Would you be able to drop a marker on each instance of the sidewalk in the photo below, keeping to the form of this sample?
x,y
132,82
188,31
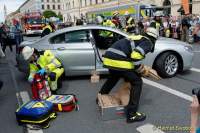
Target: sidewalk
x,y
8,101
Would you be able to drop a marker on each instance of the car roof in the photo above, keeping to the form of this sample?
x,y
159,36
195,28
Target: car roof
x,y
87,27
90,27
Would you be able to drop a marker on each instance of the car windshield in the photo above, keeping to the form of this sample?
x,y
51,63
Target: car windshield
x,y
34,21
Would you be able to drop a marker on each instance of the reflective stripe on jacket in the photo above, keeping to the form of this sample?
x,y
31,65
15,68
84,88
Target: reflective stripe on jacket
x,y
130,22
127,54
48,27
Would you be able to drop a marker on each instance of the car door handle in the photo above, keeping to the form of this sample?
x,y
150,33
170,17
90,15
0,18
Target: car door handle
x,y
61,48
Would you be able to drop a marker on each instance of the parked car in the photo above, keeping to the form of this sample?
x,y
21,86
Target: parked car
x,y
80,50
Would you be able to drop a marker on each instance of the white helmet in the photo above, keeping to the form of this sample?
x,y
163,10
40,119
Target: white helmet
x,y
27,52
126,13
152,32
99,19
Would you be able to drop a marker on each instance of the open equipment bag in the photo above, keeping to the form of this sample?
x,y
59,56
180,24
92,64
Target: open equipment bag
x,y
36,112
64,102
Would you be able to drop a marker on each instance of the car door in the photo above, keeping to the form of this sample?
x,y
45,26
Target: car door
x,y
102,43
75,52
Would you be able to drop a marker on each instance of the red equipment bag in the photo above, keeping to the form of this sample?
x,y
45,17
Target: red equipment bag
x,y
64,103
40,87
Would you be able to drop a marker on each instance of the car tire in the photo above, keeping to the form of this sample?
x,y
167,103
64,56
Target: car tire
x,y
167,65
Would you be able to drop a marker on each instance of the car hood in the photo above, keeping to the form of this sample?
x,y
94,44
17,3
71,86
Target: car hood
x,y
164,40
29,42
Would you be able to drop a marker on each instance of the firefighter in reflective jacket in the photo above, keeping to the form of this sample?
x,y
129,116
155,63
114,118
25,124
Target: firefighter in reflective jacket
x,y
41,63
157,23
124,60
48,29
130,23
109,23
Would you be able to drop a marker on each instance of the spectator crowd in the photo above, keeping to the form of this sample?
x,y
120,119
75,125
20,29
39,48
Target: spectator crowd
x,y
183,27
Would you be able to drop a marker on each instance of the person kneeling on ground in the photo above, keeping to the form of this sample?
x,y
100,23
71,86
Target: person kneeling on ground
x,y
41,63
124,60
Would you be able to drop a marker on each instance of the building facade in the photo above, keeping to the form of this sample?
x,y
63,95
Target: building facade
x,y
74,9
176,5
42,5
31,6
54,5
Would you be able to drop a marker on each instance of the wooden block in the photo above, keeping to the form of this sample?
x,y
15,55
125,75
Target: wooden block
x,y
95,78
123,93
108,101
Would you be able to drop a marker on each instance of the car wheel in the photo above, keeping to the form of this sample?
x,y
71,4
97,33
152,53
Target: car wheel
x,y
167,65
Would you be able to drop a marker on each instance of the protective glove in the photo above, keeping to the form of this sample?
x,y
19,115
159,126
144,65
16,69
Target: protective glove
x,y
30,79
41,71
143,71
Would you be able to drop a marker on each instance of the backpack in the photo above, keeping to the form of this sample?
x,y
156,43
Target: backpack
x,y
36,112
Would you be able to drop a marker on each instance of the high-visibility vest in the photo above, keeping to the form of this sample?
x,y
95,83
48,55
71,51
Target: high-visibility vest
x,y
129,22
115,58
104,33
158,26
48,27
46,60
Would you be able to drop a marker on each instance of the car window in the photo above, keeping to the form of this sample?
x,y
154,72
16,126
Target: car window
x,y
105,38
71,37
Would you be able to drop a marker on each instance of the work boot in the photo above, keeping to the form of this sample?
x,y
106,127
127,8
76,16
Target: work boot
x,y
135,117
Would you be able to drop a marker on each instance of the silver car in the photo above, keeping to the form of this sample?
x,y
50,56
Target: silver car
x,y
80,50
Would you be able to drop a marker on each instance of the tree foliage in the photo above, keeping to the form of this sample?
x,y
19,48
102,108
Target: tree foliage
x,y
49,13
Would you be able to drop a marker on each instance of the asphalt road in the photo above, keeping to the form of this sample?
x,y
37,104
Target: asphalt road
x,y
163,109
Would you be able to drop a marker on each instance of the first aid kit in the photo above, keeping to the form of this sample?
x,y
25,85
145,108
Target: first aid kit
x,y
36,112
64,102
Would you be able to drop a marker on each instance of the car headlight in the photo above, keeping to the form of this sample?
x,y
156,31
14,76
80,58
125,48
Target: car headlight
x,y
188,48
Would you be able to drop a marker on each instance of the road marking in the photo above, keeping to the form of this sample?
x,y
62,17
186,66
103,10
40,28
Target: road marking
x,y
148,128
25,96
167,89
195,69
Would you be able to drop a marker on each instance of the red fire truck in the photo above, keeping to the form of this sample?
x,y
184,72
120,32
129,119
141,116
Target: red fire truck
x,y
32,23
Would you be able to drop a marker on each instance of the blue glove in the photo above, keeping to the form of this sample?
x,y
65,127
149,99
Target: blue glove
x,y
41,71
